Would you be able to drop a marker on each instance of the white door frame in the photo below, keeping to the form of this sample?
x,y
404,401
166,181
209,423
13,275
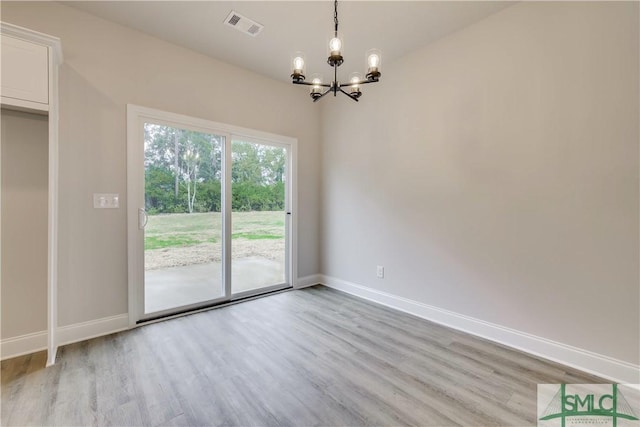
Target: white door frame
x,y
136,117
54,50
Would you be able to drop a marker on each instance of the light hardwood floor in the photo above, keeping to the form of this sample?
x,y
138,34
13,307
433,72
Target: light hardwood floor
x,y
308,357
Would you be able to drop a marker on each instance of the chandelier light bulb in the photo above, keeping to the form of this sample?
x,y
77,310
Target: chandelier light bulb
x,y
374,60
335,45
316,84
354,90
355,79
297,67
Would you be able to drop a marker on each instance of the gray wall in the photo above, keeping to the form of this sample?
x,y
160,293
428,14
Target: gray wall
x,y
494,173
107,66
24,189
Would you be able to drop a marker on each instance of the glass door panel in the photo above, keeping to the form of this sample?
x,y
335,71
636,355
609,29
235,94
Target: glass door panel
x,y
259,248
183,204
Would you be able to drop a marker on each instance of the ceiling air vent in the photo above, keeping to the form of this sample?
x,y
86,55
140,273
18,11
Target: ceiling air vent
x,y
244,24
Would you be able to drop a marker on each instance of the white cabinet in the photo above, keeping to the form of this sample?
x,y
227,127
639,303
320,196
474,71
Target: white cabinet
x,y
25,72
27,62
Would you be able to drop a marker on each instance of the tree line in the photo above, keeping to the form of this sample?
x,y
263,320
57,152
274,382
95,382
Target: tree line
x,y
183,173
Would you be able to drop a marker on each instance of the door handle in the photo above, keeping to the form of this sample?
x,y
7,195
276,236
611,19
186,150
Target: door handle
x,y
142,219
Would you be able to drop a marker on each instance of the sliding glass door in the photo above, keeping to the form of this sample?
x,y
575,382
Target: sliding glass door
x,y
259,220
210,216
183,213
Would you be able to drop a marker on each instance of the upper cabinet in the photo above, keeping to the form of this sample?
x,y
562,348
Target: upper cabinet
x,y
28,59
25,71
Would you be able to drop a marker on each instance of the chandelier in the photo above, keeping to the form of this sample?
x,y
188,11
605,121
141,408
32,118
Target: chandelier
x,y
352,89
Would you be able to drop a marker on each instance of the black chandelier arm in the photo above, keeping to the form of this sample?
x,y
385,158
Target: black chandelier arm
x,y
323,94
363,82
305,83
348,94
310,84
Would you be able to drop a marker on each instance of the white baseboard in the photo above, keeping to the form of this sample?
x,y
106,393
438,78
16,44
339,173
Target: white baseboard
x,y
303,282
23,344
30,343
584,360
92,329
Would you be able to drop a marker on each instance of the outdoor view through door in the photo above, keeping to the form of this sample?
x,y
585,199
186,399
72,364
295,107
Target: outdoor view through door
x,y
183,202
184,181
258,244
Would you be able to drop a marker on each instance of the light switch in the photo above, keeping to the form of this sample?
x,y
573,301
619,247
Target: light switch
x,y
106,201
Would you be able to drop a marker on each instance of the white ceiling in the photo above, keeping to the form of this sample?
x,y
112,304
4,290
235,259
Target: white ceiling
x,y
395,27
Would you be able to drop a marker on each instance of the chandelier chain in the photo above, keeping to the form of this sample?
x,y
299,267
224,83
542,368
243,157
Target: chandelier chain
x,y
335,16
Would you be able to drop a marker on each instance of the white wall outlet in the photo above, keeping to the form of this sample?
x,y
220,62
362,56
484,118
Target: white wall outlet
x,y
106,201
380,272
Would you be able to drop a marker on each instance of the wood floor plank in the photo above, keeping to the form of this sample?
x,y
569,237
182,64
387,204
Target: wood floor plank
x,y
314,357
27,385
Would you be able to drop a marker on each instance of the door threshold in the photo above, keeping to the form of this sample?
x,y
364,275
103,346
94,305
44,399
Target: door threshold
x,y
211,306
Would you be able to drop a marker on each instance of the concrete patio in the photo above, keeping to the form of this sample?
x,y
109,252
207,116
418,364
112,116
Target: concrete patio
x,y
179,286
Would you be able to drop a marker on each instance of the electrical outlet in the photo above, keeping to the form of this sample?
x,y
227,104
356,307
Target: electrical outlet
x,y
380,272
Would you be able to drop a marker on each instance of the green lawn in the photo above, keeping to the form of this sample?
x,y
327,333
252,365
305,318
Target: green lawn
x,y
184,230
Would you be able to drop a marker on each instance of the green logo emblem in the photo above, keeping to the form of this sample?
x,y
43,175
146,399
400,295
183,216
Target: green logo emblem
x,y
581,406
